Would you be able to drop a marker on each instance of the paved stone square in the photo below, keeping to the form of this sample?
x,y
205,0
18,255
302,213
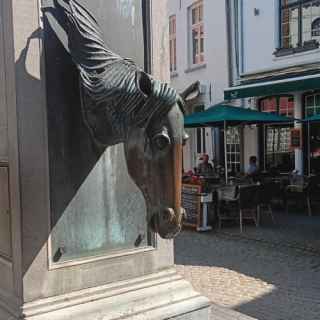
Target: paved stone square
x,y
258,273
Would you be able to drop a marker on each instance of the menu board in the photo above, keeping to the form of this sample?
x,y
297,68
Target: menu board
x,y
191,202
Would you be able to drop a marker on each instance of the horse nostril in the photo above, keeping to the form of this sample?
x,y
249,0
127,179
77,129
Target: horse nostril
x,y
168,214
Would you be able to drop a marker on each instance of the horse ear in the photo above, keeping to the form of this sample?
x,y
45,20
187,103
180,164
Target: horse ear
x,y
191,92
144,83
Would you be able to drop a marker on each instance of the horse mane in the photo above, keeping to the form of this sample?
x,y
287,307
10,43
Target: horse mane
x,y
110,81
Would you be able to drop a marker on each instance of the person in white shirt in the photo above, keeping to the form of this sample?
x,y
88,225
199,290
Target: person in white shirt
x,y
253,167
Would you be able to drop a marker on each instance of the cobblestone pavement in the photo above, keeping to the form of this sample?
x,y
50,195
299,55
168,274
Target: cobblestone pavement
x,y
292,230
267,280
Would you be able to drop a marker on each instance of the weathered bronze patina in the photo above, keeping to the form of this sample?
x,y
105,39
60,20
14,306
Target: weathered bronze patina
x,y
122,104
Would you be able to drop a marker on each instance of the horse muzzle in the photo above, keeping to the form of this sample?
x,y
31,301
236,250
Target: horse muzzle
x,y
167,223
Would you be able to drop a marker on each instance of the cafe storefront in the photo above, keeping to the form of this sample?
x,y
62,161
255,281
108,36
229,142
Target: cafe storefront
x,y
297,97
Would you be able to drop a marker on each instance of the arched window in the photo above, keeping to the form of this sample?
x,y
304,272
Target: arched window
x,y
315,28
300,22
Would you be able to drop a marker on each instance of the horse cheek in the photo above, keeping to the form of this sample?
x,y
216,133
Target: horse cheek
x,y
137,159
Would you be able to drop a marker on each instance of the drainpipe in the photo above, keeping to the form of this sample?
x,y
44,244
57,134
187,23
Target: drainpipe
x,y
241,39
230,47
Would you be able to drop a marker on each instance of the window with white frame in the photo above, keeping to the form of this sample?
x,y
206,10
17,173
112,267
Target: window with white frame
x,y
173,43
315,29
200,133
300,23
201,140
196,30
233,149
312,104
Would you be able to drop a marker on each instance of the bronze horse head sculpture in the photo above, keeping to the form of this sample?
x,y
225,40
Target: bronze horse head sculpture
x,y
122,104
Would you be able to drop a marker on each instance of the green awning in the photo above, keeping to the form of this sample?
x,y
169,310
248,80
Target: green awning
x,y
310,82
313,118
216,115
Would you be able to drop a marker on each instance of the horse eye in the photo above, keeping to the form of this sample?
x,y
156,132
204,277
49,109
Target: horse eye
x,y
161,140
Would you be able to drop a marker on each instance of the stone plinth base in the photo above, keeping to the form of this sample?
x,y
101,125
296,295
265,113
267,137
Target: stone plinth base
x,y
158,296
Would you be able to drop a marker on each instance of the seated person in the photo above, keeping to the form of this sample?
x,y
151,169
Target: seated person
x,y
204,168
253,169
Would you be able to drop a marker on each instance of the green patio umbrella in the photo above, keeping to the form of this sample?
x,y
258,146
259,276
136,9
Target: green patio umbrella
x,y
223,114
216,115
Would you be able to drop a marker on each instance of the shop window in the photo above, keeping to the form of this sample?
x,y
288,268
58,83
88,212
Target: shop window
x,y
299,21
278,153
315,148
269,105
312,107
233,149
312,104
278,140
283,105
173,43
286,106
196,30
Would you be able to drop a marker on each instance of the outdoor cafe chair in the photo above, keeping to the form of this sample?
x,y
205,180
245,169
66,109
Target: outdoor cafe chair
x,y
238,203
269,190
227,202
313,191
249,200
295,191
305,189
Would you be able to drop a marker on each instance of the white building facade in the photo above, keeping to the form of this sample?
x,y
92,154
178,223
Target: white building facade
x,y
198,52
275,66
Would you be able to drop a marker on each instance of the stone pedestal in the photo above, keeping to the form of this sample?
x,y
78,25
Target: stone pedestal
x,y
162,295
138,283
